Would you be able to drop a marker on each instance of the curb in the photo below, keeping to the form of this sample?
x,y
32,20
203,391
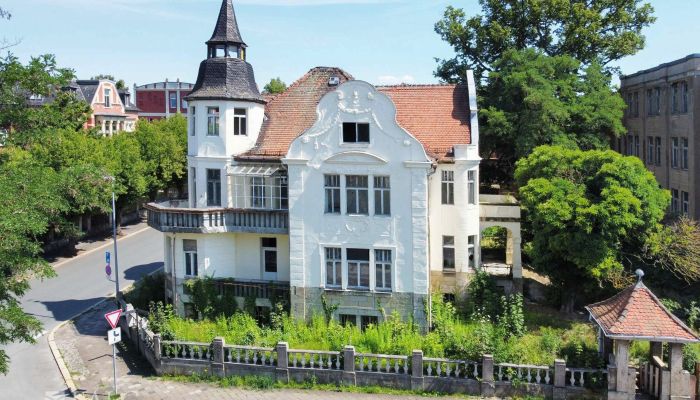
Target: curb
x,y
98,248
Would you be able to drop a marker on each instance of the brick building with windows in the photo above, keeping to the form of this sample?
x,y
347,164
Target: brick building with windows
x,y
661,124
162,99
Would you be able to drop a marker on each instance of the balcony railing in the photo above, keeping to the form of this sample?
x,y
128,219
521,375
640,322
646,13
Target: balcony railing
x,y
171,217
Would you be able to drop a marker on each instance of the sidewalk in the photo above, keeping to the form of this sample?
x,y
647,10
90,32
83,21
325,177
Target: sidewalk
x,y
83,346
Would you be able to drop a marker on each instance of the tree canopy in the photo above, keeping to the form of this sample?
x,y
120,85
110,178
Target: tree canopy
x,y
587,30
532,99
275,86
120,84
587,213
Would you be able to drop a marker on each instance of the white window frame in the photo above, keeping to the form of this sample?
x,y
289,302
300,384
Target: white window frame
x,y
448,187
213,199
471,251
360,264
358,192
172,100
332,190
190,259
258,192
471,187
454,253
240,122
193,189
382,195
193,121
108,97
384,265
213,121
333,260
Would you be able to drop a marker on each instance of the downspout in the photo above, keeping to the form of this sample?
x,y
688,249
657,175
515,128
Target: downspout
x,y
172,272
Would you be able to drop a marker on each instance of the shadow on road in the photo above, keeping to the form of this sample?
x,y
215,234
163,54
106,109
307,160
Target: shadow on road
x,y
136,272
65,309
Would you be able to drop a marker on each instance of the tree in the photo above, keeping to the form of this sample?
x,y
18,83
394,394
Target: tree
x,y
120,84
275,86
585,212
41,78
533,99
6,43
30,201
675,249
164,151
587,30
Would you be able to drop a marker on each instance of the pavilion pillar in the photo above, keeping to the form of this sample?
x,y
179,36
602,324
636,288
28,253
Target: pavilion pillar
x,y
656,349
624,380
680,380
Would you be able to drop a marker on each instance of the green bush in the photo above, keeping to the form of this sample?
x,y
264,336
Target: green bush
x,y
151,288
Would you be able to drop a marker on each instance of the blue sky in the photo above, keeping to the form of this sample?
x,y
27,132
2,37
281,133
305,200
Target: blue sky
x,y
380,41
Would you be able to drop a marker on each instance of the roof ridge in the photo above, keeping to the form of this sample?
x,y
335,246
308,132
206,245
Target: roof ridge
x,y
306,76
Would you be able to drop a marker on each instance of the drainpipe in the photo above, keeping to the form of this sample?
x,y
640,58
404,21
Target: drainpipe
x,y
172,272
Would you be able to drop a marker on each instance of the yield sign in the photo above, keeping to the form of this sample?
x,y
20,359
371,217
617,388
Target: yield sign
x,y
113,318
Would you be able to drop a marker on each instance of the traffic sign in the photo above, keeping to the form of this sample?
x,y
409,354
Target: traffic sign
x,y
108,270
107,257
113,318
114,336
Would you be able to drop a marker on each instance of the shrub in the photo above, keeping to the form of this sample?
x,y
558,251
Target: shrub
x,y
160,319
151,288
511,318
482,296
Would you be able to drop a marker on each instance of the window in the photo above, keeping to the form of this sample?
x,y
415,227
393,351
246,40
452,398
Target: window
x,y
658,150
471,187
108,97
213,121
448,187
213,187
382,263
173,100
675,201
674,98
334,267
471,249
193,121
636,146
355,132
190,249
635,107
357,194
674,152
653,103
684,153
684,97
332,186
347,319
630,145
685,205
650,150
257,193
382,195
193,172
358,268
240,127
448,252
269,248
367,321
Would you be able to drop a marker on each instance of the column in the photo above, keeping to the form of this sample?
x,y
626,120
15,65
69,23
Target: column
x,y
111,128
680,380
104,127
488,386
349,366
559,392
622,370
282,370
417,370
217,362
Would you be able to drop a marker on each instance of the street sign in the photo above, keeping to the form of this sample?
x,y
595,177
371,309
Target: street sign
x,y
113,318
108,270
108,257
114,336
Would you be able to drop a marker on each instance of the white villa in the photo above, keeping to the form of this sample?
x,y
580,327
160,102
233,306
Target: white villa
x,y
365,195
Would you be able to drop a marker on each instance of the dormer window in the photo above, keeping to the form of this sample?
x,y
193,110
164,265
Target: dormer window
x,y
354,132
108,97
240,127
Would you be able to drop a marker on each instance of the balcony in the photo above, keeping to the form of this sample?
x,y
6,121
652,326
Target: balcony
x,y
175,217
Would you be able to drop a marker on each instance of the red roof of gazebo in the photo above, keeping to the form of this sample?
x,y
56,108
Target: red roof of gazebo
x,y
637,314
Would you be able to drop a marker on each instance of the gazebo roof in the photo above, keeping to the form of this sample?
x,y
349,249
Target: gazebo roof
x,y
637,314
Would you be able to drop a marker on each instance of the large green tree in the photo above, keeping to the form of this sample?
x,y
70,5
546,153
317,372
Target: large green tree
x,y
586,213
30,202
532,99
587,30
275,86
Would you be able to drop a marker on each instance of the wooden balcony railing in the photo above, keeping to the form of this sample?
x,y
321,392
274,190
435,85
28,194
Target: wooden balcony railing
x,y
170,217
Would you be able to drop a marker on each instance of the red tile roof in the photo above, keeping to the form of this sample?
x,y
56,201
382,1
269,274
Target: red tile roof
x,y
437,115
635,313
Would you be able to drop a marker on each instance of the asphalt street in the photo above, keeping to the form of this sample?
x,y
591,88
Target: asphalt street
x,y
81,283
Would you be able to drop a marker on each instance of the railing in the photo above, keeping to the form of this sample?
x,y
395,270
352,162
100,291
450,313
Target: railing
x,y
186,350
523,373
250,355
170,217
440,367
259,290
585,377
365,362
315,359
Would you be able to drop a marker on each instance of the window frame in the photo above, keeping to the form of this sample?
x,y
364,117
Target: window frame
x,y
471,251
675,201
382,195
650,150
240,122
193,121
258,193
361,265
193,173
675,153
172,100
471,187
385,265
684,153
447,248
213,121
448,187
359,193
333,260
685,203
332,189
191,258
213,190
107,97
357,139
658,150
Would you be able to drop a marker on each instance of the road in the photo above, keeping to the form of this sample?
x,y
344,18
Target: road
x,y
81,282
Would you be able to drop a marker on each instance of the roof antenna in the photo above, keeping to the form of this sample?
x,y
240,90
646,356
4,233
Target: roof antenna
x,y
640,275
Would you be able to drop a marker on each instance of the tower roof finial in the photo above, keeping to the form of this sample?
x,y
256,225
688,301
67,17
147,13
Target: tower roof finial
x,y
640,275
226,29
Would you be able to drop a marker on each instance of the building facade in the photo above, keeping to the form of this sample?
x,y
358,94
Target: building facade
x,y
334,191
162,99
662,119
109,112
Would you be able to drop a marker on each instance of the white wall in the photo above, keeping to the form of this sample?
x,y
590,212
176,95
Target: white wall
x,y
391,152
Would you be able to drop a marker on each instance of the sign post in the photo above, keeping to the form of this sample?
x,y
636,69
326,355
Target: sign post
x,y
114,336
108,268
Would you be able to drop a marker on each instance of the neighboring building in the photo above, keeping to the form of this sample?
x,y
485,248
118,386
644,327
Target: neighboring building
x,y
662,127
162,99
365,195
109,112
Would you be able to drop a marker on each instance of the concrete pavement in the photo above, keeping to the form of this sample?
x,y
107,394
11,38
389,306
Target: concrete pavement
x,y
80,284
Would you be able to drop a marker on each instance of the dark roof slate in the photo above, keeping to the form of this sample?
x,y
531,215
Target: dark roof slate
x,y
226,29
226,79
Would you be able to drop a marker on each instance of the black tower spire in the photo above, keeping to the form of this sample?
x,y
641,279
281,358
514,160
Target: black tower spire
x,y
226,40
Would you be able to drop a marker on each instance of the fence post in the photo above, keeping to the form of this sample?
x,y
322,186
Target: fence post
x,y
417,370
156,347
697,378
217,362
488,386
559,390
349,366
282,370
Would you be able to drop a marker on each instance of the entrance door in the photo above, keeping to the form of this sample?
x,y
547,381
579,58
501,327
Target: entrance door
x,y
269,259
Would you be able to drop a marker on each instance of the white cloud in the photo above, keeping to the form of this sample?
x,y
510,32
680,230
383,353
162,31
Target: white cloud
x,y
395,80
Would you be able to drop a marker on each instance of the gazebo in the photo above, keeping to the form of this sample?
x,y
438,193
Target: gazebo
x,y
637,314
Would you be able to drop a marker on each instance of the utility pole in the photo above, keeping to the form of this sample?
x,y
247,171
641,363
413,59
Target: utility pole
x,y
114,234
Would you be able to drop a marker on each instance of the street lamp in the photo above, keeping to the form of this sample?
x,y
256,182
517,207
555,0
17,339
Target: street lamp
x,y
111,179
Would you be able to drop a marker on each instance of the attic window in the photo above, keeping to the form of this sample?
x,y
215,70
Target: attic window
x,y
333,81
355,132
